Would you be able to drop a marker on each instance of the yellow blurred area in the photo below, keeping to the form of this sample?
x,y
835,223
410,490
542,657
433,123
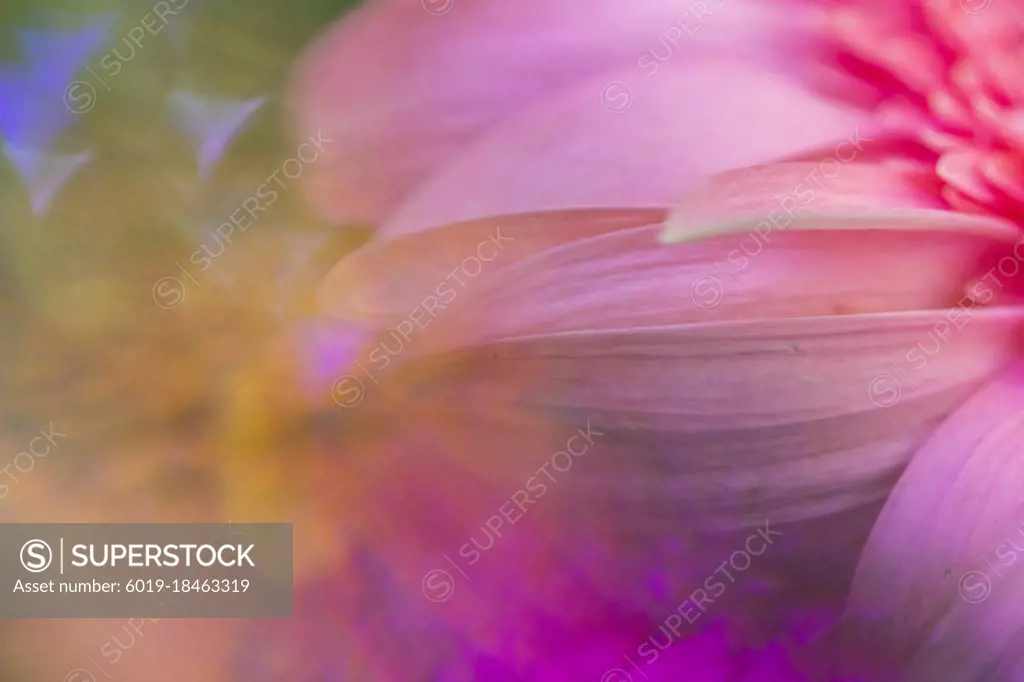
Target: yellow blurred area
x,y
248,458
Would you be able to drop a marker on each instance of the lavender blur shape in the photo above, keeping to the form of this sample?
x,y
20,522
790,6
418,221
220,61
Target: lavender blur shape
x,y
31,89
31,110
211,124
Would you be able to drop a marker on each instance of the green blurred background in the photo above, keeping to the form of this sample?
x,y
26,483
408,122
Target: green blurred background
x,y
81,336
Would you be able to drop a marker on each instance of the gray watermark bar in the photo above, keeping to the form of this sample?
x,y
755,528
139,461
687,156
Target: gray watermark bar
x,y
146,570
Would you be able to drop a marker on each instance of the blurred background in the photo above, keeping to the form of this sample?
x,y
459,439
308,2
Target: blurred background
x,y
178,403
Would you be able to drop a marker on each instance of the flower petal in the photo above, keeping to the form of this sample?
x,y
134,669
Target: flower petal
x,y
615,140
604,269
799,194
701,432
626,279
401,89
388,278
935,593
735,390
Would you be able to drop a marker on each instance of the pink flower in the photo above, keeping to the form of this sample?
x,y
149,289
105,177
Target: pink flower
x,y
822,326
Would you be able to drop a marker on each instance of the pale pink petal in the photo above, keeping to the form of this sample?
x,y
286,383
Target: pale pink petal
x,y
385,281
626,279
617,140
736,391
400,86
937,592
798,195
605,269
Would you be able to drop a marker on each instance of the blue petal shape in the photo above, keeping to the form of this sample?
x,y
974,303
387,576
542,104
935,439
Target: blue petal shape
x,y
43,173
211,124
33,91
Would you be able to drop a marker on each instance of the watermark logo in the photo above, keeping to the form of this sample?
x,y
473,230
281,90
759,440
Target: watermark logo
x,y
169,292
36,556
438,585
975,6
140,570
79,675
348,390
975,586
438,7
706,292
617,97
